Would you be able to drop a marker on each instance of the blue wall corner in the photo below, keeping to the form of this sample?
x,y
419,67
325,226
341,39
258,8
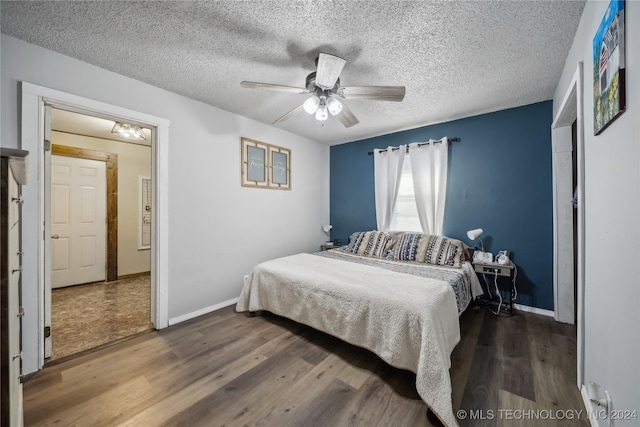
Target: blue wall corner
x,y
499,179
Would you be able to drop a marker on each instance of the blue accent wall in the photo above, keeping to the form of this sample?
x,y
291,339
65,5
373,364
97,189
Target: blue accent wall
x,y
499,179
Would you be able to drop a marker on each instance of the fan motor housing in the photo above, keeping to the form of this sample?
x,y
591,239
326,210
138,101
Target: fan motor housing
x,y
312,88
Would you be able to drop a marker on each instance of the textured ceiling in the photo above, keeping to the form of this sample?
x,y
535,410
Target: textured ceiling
x,y
456,58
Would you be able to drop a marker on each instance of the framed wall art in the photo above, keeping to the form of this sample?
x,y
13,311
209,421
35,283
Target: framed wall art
x,y
265,165
254,163
609,68
279,168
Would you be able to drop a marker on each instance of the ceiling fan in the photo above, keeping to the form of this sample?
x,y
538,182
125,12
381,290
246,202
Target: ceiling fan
x,y
324,85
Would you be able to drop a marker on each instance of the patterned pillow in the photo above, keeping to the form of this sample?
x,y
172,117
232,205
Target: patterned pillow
x,y
410,247
444,251
369,243
355,240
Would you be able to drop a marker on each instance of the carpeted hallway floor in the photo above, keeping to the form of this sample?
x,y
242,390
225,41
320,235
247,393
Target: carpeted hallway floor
x,y
87,316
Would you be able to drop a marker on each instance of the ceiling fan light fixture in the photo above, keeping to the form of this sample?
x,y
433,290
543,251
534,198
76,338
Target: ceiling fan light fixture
x,y
311,104
126,130
325,93
334,106
321,114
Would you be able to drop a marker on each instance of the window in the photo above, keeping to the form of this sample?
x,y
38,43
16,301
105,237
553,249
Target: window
x,y
405,213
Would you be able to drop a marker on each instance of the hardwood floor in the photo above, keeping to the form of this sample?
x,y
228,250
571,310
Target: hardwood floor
x,y
231,369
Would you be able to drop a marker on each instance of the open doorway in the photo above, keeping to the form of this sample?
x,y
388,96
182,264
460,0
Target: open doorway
x,y
568,213
36,233
100,233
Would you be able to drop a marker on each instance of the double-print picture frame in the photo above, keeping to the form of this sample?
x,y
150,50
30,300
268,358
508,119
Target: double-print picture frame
x,y
265,165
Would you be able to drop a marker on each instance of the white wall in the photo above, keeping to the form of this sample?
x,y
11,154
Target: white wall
x,y
218,230
612,220
133,161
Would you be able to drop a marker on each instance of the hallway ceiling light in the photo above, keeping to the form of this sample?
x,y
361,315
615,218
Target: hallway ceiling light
x,y
126,130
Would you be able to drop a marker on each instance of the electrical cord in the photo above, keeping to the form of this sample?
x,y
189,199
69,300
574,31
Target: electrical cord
x,y
495,283
498,293
503,257
515,288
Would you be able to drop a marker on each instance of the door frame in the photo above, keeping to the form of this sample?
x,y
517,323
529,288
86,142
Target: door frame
x,y
36,241
111,163
570,110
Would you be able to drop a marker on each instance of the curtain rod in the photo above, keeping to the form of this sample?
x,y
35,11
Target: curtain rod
x,y
454,139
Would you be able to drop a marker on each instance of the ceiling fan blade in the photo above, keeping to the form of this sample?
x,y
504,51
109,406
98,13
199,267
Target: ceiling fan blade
x,y
290,114
346,117
329,69
379,93
277,88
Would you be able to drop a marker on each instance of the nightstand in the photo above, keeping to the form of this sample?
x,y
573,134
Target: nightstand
x,y
500,274
327,247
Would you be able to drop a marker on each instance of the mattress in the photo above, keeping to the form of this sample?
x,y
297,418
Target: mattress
x,y
405,313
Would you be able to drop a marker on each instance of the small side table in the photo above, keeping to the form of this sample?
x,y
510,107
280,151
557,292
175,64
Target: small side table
x,y
327,247
498,271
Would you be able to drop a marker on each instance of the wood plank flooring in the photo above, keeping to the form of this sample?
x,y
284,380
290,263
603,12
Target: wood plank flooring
x,y
231,369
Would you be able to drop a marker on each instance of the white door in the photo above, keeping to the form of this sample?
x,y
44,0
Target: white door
x,y
78,221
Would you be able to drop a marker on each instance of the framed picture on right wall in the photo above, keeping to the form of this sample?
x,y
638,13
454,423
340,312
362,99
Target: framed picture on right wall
x,y
608,68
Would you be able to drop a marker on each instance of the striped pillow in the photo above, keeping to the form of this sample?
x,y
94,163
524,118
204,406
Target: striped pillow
x,y
355,240
369,243
438,250
444,251
410,247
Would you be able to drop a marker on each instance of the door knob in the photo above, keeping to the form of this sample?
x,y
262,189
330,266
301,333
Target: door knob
x,y
55,236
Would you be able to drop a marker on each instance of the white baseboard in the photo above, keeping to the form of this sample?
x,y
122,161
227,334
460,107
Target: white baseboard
x,y
534,310
202,311
588,406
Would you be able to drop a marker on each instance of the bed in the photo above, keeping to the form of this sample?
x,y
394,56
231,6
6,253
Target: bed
x,y
396,294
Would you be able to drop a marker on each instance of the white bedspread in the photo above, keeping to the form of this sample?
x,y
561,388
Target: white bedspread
x,y
410,322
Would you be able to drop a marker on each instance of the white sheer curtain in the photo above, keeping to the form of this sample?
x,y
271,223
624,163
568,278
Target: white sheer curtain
x,y
387,166
429,171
